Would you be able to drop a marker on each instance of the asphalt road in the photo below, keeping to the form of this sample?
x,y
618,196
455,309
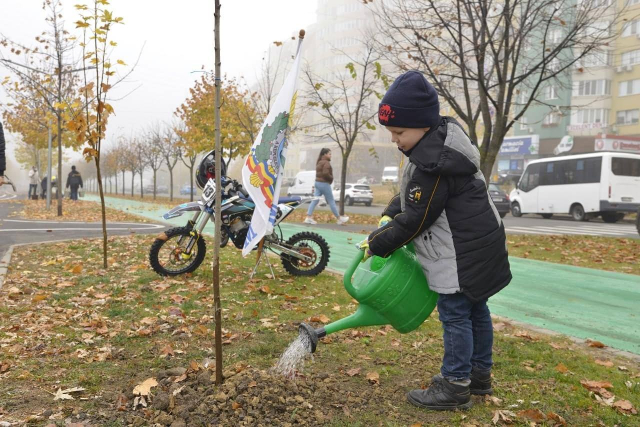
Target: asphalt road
x,y
526,224
18,231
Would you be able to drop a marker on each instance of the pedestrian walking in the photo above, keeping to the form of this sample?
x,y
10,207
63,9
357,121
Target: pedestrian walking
x,y
74,180
459,238
43,187
34,180
322,187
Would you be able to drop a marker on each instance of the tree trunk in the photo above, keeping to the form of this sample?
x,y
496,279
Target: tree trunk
x,y
133,177
123,182
115,176
141,188
59,161
343,180
171,184
155,172
191,177
217,306
104,215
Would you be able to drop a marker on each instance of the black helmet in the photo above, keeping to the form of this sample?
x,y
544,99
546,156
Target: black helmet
x,y
207,169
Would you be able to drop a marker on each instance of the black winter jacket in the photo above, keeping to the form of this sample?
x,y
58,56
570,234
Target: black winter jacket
x,y
445,209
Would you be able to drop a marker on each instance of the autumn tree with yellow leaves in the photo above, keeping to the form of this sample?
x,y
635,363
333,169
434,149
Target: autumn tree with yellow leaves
x,y
89,124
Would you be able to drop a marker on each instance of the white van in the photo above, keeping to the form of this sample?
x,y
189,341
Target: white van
x,y
390,174
585,186
303,184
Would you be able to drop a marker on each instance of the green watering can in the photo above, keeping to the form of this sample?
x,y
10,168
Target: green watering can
x,y
390,291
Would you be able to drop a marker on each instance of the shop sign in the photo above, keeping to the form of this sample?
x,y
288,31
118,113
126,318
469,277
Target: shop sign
x,y
617,144
520,145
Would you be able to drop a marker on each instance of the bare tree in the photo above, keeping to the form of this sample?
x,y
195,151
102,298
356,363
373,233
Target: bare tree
x,y
48,70
481,54
170,153
129,160
153,155
344,104
140,156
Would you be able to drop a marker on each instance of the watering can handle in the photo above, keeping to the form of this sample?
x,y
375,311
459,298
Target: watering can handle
x,y
349,273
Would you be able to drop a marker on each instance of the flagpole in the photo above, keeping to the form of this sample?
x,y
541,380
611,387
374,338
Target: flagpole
x,y
217,220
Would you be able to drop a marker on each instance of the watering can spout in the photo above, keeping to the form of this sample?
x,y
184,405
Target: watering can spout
x,y
313,335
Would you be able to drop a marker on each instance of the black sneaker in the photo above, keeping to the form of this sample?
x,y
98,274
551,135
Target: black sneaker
x,y
441,396
480,382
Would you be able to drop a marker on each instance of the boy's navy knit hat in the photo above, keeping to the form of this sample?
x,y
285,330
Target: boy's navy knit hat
x,y
410,102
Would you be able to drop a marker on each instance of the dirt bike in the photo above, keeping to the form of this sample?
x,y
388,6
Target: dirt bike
x,y
181,250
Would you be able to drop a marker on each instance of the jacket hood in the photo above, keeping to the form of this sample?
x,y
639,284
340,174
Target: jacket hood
x,y
446,150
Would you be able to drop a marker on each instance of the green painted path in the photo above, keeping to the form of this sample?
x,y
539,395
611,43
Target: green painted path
x,y
575,301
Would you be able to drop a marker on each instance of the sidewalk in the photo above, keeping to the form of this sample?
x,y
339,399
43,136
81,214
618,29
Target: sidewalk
x,y
579,302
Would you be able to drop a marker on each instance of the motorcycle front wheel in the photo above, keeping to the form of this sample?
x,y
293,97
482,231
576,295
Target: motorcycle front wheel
x,y
168,256
312,245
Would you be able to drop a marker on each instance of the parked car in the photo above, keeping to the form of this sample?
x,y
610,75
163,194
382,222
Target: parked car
x,y
354,193
303,184
162,189
390,174
185,190
500,199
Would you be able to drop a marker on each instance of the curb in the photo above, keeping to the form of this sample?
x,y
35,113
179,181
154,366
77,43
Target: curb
x,y
4,264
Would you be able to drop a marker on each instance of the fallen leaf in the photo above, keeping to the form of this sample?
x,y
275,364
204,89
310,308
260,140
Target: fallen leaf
x,y
265,289
236,405
492,399
502,415
625,407
322,318
535,415
66,394
353,372
144,388
373,378
596,385
606,363
523,334
77,269
38,298
499,326
596,344
622,368
561,368
558,420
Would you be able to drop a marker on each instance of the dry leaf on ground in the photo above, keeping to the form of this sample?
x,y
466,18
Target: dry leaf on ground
x,y
561,368
557,419
606,363
625,407
595,344
535,415
596,385
373,378
353,372
66,394
144,388
502,416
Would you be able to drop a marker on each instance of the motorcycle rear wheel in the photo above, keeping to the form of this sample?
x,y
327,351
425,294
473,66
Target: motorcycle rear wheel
x,y
312,245
165,255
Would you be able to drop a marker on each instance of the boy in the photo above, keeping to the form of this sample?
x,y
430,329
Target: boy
x,y
459,238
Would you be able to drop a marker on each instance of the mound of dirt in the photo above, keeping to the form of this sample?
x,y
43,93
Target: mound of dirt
x,y
248,396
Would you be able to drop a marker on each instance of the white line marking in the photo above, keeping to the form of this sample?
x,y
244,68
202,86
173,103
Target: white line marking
x,y
576,230
74,222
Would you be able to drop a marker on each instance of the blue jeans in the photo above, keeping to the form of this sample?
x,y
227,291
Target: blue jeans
x,y
468,336
34,188
323,189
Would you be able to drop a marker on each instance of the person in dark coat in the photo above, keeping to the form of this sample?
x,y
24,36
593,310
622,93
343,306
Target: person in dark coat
x,y
459,238
3,158
74,180
322,187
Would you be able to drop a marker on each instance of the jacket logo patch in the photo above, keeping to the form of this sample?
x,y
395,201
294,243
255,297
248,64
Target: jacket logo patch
x,y
415,194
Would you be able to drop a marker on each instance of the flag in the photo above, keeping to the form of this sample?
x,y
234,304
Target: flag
x,y
263,170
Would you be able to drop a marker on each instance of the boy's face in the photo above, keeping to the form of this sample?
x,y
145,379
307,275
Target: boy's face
x,y
406,138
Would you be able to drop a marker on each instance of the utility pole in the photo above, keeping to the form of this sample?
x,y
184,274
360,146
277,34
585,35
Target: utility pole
x,y
216,245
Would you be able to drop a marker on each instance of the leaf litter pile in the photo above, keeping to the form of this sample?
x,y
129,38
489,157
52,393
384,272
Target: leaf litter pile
x,y
123,346
78,210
